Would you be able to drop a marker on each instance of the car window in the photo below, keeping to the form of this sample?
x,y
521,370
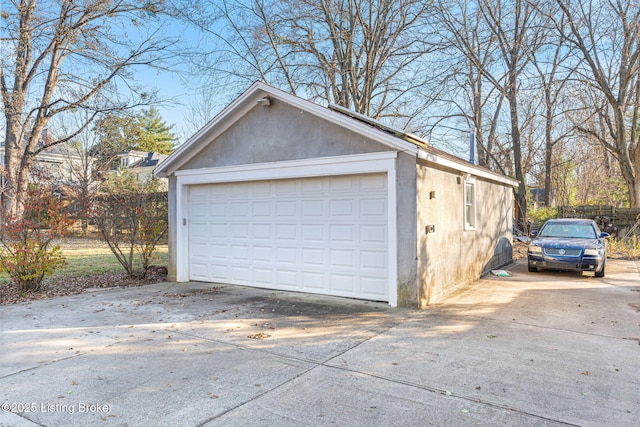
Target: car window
x,y
581,231
585,232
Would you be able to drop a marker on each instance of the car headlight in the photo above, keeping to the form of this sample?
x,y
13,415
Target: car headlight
x,y
591,252
535,249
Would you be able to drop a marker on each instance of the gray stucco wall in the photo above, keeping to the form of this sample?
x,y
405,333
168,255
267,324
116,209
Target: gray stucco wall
x,y
406,217
281,132
173,224
451,257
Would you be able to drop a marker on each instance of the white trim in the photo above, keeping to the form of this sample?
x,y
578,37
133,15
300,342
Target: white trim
x,y
380,162
434,158
469,225
323,166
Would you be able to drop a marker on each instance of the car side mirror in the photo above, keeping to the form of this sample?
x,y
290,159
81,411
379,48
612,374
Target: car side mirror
x,y
534,233
604,235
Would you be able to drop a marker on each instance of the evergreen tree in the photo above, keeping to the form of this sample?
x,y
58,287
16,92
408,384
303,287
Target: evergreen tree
x,y
155,133
117,134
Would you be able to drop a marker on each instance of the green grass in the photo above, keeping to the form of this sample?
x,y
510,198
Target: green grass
x,y
97,258
85,257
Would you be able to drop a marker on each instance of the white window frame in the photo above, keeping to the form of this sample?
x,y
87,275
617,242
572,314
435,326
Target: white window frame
x,y
469,204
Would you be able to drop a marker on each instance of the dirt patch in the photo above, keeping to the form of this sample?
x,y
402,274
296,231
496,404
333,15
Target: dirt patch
x,y
58,286
519,250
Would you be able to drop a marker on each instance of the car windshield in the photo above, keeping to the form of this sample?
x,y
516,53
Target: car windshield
x,y
580,231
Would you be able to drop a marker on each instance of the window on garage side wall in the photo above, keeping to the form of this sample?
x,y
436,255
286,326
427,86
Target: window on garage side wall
x,y
469,203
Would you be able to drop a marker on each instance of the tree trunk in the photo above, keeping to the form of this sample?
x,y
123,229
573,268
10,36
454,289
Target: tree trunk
x,y
12,167
548,154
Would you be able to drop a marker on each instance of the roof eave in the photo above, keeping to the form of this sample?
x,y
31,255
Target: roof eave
x,y
466,168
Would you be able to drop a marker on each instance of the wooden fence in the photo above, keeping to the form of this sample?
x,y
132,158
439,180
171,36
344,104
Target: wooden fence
x,y
624,218
85,224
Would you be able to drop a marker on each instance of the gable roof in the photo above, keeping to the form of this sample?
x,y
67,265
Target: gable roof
x,y
143,159
261,92
248,100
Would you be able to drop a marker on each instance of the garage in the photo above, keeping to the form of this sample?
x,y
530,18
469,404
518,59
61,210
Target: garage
x,y
281,193
325,235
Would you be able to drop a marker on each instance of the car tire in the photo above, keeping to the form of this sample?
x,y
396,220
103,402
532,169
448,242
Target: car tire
x,y
600,273
532,269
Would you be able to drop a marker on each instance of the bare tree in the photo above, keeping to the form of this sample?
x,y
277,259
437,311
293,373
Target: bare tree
x,y
518,31
202,109
360,54
63,56
607,35
467,41
553,67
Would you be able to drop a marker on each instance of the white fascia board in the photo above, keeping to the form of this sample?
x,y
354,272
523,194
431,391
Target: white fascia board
x,y
317,166
434,158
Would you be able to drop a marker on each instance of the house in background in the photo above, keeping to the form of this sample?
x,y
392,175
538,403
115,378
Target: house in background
x,y
141,163
537,197
281,193
61,164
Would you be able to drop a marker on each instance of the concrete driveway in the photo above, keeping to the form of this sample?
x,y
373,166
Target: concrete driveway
x,y
533,349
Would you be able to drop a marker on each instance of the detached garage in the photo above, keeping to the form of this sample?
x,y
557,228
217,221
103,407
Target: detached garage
x,y
281,193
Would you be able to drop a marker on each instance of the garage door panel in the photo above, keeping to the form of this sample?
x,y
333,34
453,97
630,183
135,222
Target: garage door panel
x,y
286,187
200,271
217,273
313,187
199,232
217,210
376,260
217,231
373,233
341,258
261,188
286,208
341,208
373,208
287,256
342,284
264,276
262,232
374,184
240,190
287,279
313,232
261,209
324,235
313,281
342,184
240,253
313,208
373,287
342,233
313,257
240,231
263,254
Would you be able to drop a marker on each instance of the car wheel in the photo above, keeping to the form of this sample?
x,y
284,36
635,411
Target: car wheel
x,y
533,269
600,273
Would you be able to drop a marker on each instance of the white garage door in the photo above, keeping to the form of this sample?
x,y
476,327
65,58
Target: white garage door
x,y
324,235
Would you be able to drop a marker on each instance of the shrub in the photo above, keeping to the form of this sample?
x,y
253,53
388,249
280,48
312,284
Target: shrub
x,y
28,253
628,248
542,215
132,219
